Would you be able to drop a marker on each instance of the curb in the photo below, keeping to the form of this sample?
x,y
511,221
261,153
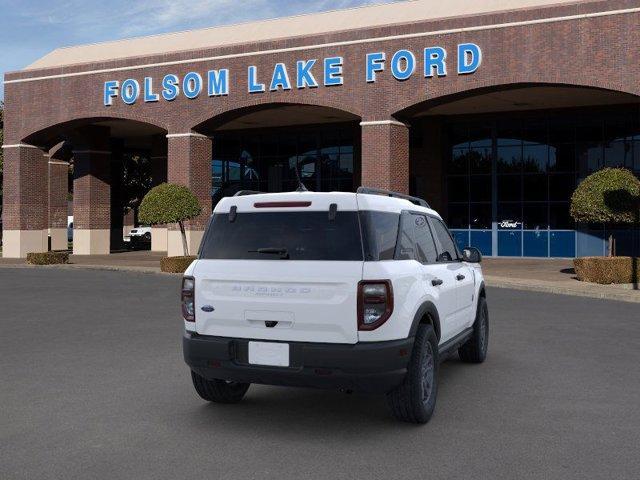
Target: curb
x,y
74,266
630,296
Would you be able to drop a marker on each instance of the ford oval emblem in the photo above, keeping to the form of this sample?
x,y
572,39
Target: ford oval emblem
x,y
207,308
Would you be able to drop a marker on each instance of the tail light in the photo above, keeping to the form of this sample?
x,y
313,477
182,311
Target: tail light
x,y
188,299
375,303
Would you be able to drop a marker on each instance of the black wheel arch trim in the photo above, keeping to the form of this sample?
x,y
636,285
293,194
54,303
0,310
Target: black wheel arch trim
x,y
482,292
427,308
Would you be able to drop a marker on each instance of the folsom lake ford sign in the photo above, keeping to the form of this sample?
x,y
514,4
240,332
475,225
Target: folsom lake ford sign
x,y
310,73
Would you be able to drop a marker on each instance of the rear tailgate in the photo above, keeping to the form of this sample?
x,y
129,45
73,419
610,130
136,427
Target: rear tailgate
x,y
281,267
307,302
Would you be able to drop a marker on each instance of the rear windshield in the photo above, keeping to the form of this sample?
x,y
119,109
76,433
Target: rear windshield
x,y
284,236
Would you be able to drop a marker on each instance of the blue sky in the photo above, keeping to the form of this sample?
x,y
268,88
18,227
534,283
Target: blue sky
x,y
31,28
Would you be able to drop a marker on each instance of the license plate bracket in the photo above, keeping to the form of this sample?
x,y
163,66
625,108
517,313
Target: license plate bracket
x,y
271,354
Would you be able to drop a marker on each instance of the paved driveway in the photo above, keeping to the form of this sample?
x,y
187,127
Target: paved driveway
x,y
92,385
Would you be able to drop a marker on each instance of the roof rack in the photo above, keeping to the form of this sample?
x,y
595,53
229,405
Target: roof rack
x,y
389,193
242,193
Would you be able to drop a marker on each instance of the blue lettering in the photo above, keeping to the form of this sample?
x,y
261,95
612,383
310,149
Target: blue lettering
x,y
304,77
192,85
110,92
170,87
333,71
434,57
254,86
403,64
469,58
149,96
280,78
218,82
375,63
130,91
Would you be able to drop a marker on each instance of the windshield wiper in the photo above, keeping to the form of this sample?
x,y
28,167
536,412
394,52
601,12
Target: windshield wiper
x,y
283,252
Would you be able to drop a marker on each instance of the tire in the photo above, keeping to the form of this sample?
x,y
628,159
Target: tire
x,y
219,391
147,236
475,349
415,400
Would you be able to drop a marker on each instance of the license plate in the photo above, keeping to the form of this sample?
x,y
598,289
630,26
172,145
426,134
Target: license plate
x,y
269,353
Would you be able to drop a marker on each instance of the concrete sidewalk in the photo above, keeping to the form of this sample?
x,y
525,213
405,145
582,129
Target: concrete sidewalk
x,y
539,275
552,276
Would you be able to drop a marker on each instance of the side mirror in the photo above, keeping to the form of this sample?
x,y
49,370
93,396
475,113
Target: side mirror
x,y
471,255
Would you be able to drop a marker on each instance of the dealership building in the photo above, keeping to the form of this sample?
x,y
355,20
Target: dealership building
x,y
491,110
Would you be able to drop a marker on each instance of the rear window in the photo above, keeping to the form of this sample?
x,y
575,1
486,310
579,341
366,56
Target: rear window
x,y
283,235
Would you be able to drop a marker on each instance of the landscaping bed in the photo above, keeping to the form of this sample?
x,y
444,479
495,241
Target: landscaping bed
x,y
607,270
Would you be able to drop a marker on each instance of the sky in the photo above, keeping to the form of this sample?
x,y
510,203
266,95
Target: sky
x,y
30,29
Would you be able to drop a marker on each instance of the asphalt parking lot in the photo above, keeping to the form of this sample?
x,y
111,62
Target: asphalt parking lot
x,y
93,386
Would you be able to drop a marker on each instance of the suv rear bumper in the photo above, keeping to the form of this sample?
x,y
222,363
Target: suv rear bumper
x,y
363,367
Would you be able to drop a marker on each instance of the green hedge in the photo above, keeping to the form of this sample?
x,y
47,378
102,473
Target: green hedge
x,y
48,258
175,264
607,270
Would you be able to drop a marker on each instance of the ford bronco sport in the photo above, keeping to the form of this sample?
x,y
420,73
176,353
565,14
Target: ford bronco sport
x,y
358,291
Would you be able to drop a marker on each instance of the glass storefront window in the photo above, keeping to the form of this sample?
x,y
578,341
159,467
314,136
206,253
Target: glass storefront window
x,y
535,187
509,188
458,188
480,217
266,160
510,159
535,158
480,188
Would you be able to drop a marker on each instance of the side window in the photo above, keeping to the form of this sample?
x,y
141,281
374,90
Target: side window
x,y
405,249
448,251
379,232
425,245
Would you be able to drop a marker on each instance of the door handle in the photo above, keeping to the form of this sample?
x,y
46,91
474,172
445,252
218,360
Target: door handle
x,y
436,282
460,277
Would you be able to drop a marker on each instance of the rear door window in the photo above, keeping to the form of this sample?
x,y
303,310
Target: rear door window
x,y
283,236
425,246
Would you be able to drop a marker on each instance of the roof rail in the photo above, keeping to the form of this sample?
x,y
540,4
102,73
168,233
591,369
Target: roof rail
x,y
242,193
389,193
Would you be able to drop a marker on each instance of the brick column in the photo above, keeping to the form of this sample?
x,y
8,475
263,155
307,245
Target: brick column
x,y
385,155
159,175
58,190
24,201
92,192
189,164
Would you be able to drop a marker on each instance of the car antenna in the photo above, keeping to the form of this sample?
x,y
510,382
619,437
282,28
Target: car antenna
x,y
301,187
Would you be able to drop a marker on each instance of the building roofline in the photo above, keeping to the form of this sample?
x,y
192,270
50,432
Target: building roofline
x,y
296,26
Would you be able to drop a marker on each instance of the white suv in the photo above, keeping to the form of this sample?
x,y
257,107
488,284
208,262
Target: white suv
x,y
358,291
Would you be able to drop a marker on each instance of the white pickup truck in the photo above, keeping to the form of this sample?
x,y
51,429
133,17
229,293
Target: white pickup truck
x,y
358,291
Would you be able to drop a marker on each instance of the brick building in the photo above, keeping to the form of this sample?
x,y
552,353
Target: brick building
x,y
492,111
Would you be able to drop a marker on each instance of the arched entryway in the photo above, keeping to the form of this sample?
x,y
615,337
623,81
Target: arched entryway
x,y
103,165
268,147
501,164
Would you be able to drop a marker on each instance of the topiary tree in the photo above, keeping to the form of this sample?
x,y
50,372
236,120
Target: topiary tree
x,y
610,195
169,203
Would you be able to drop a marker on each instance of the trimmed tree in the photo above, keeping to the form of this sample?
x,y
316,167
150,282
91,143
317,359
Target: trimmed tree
x,y
609,196
170,203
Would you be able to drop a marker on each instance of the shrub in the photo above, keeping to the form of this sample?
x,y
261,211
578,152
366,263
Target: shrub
x,y
175,264
47,258
169,203
607,270
610,195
